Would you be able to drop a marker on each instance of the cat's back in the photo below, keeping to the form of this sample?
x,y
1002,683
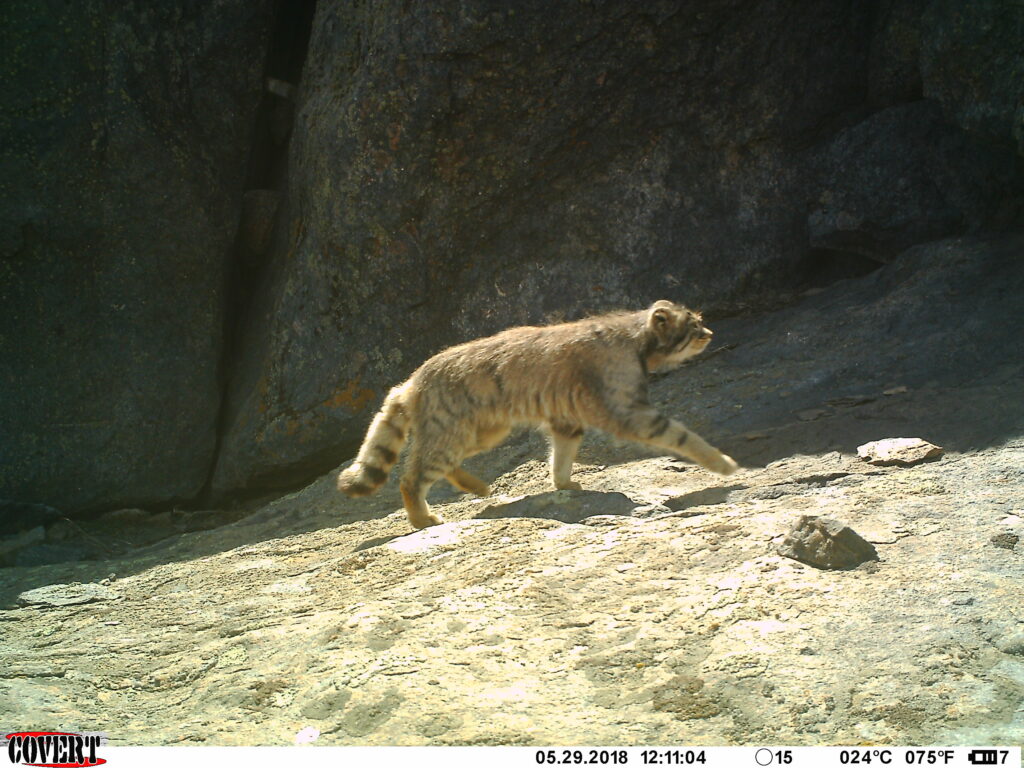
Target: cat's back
x,y
538,349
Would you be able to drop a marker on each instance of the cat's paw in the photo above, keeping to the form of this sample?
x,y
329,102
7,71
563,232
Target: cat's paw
x,y
425,521
722,464
570,485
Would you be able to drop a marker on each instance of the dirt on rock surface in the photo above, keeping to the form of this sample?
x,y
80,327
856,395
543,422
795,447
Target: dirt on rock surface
x,y
650,608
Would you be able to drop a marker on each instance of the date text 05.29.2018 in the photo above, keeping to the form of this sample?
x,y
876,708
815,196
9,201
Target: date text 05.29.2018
x,y
581,757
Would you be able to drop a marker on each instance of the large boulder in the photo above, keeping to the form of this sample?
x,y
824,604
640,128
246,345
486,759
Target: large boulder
x,y
459,167
972,62
904,176
126,134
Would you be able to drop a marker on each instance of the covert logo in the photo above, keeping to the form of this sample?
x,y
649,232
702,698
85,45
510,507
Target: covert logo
x,y
52,749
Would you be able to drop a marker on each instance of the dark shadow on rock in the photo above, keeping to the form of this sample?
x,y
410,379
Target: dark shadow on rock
x,y
959,418
282,518
378,541
564,506
925,347
702,498
23,516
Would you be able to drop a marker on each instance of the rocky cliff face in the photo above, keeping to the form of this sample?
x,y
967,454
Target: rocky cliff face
x,y
126,135
461,167
454,168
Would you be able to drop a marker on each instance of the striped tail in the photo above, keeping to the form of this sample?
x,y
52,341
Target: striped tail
x,y
384,440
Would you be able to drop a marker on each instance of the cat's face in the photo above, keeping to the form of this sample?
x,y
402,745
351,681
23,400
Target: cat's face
x,y
677,334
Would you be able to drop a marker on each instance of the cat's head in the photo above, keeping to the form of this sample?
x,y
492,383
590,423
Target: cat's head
x,y
673,334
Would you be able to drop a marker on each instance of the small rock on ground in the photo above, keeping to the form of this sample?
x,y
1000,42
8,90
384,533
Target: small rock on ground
x,y
1005,540
826,543
905,451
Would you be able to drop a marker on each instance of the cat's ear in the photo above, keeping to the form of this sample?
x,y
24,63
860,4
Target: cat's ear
x,y
661,319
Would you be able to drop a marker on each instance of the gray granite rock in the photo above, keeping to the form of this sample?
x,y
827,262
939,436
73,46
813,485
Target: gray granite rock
x,y
826,543
457,168
904,451
126,133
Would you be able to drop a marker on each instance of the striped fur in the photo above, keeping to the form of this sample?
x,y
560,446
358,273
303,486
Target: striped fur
x,y
383,443
563,378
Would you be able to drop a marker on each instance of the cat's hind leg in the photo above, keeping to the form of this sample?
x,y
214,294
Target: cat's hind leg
x,y
465,481
432,455
485,437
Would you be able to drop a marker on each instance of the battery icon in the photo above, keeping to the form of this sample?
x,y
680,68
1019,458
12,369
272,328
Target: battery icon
x,y
983,757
